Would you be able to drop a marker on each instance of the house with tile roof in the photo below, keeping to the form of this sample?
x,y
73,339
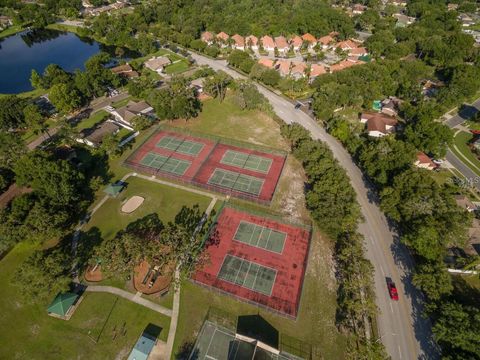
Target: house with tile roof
x,y
326,41
269,63
424,162
267,43
298,70
281,44
207,37
238,42
222,39
310,39
251,41
284,67
317,70
296,41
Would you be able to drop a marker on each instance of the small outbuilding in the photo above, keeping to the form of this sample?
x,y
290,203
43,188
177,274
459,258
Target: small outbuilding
x,y
114,189
64,305
143,347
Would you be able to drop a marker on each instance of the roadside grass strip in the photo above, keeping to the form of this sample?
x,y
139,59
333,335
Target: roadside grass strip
x,y
247,274
260,236
246,161
236,181
164,163
179,145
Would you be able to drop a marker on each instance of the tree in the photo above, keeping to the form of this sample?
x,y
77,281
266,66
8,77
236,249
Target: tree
x,y
217,84
12,148
65,97
433,279
141,122
44,274
248,97
34,119
270,77
11,112
111,145
36,80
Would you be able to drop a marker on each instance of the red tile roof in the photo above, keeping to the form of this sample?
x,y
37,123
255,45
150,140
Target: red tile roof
x,y
267,42
284,67
296,41
239,40
347,45
299,68
358,51
422,158
317,69
251,39
207,36
325,40
281,42
310,38
266,62
223,36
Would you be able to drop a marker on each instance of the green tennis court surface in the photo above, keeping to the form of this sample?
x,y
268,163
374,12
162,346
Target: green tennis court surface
x,y
236,181
247,274
180,145
217,343
260,236
246,161
165,163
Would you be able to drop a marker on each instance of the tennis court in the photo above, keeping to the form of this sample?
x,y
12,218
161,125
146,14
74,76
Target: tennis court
x,y
260,236
247,274
180,145
217,343
236,181
246,161
165,163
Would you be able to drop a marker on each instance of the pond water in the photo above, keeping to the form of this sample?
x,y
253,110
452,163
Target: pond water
x,y
36,49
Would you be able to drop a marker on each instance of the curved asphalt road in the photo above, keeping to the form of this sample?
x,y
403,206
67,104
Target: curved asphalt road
x,y
405,334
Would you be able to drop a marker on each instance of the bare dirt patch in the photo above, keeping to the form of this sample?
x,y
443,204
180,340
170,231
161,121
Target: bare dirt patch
x,y
132,204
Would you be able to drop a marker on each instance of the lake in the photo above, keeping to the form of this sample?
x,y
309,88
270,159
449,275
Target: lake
x,y
36,49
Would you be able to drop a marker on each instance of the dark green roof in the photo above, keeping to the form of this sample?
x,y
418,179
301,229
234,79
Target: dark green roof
x,y
62,303
114,189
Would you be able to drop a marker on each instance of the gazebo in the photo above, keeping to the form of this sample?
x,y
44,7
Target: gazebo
x,y
63,305
114,189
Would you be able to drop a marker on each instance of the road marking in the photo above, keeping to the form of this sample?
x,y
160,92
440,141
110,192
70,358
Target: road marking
x,y
399,352
391,307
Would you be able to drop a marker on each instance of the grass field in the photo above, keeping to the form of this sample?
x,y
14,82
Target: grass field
x,y
228,120
315,323
11,31
92,120
31,334
166,201
461,149
177,67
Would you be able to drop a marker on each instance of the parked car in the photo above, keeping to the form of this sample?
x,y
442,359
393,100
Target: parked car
x,y
392,289
438,161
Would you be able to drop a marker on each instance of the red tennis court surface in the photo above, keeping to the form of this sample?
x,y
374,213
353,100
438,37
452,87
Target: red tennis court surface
x,y
243,172
287,262
150,146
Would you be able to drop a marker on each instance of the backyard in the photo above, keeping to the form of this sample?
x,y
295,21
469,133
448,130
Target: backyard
x,y
32,334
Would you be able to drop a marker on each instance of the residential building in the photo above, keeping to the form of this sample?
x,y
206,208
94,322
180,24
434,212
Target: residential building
x,y
326,41
5,22
125,114
298,70
317,70
403,20
208,37
346,45
197,84
310,39
222,38
452,6
267,43
125,70
358,9
390,106
238,42
251,41
284,67
378,125
359,51
157,64
466,20
424,162
282,45
465,203
296,42
269,63
94,136
345,64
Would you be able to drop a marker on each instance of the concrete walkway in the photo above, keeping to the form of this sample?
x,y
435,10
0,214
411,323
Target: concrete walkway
x,y
132,297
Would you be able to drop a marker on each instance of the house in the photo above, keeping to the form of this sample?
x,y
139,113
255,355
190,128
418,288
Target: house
x,y
125,114
281,44
94,136
473,244
346,45
238,42
298,70
223,39
207,37
452,6
358,9
157,64
424,162
310,39
399,3
252,42
378,125
269,63
466,20
64,305
143,347
284,67
267,43
390,106
197,84
317,70
465,203
125,70
359,51
5,22
296,42
326,41
403,20
345,64
431,87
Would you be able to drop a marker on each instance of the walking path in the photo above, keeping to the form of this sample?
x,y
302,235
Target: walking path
x,y
132,297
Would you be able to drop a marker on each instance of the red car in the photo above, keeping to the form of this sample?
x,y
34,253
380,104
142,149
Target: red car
x,y
392,290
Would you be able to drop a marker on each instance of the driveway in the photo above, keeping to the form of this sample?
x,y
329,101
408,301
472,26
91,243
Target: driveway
x,y
405,334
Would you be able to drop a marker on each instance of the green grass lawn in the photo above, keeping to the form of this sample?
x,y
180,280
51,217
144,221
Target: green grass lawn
x,y
94,119
315,323
177,67
11,30
228,120
31,334
463,151
119,104
166,201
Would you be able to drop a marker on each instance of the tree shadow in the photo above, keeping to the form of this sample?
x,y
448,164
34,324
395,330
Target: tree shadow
x,y
87,242
467,111
185,351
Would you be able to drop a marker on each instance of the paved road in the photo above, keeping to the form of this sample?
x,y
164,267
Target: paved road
x,y
132,297
404,332
466,113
